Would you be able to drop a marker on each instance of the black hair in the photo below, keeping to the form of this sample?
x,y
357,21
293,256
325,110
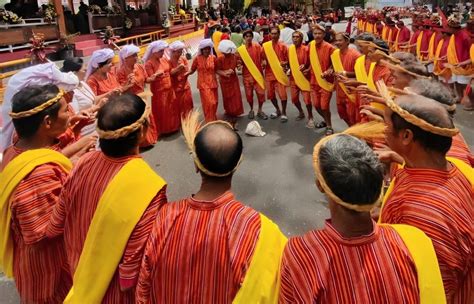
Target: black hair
x,y
29,98
433,89
383,46
351,169
246,32
101,64
365,37
118,112
219,152
73,64
276,28
428,140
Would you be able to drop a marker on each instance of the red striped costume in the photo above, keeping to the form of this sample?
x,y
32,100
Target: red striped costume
x,y
74,214
324,267
460,150
40,263
440,203
198,251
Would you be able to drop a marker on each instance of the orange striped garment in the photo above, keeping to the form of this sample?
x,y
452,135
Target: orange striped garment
x,y
198,251
73,215
324,267
460,150
440,203
40,263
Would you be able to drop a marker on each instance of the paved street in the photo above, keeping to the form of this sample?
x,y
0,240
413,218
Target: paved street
x,y
275,177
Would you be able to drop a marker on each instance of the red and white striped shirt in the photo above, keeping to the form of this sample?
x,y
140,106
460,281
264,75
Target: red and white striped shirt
x,y
40,264
440,203
198,252
460,150
74,213
324,267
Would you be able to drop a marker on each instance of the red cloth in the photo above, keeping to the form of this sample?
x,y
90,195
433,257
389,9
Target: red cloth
x,y
425,43
140,76
255,51
198,251
39,262
230,86
73,216
102,86
303,59
460,150
463,44
281,51
320,97
165,107
181,87
439,203
346,108
413,40
324,267
207,85
404,37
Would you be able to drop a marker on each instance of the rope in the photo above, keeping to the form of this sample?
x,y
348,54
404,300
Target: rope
x,y
403,70
125,131
39,108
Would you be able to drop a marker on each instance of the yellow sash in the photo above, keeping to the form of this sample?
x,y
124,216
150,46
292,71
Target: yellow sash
x,y
251,66
464,168
418,46
372,86
301,81
316,65
370,27
262,281
216,39
395,46
431,47
10,177
274,62
384,33
337,65
359,69
471,53
453,59
437,70
422,251
120,208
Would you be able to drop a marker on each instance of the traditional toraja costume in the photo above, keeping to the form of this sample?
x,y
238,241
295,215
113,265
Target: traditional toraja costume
x,y
207,80
41,74
346,103
299,56
320,59
275,76
30,184
101,85
252,72
403,265
458,51
440,204
230,86
164,105
180,83
223,242
138,87
105,248
440,60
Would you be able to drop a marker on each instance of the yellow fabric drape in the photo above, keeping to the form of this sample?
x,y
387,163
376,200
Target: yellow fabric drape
x,y
316,65
251,66
437,70
359,69
301,81
10,177
216,39
372,86
384,33
338,67
119,209
418,46
262,280
464,168
395,45
453,59
431,47
274,62
471,53
422,251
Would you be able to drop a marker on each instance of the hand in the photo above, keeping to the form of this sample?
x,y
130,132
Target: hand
x,y
84,145
302,67
371,115
386,155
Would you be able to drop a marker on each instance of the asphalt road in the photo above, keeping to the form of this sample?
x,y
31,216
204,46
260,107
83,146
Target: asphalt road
x,y
275,177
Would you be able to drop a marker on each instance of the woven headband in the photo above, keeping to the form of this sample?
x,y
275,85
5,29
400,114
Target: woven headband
x,y
403,70
39,108
125,131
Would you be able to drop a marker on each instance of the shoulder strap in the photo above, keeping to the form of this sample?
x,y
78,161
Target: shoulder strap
x,y
262,280
274,62
10,177
251,66
359,68
119,209
422,251
300,80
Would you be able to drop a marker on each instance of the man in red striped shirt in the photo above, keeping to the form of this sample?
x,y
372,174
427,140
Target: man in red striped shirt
x,y
430,192
352,260
89,180
201,247
39,263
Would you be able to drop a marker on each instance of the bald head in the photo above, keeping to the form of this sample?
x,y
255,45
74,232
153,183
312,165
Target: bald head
x,y
430,111
218,148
